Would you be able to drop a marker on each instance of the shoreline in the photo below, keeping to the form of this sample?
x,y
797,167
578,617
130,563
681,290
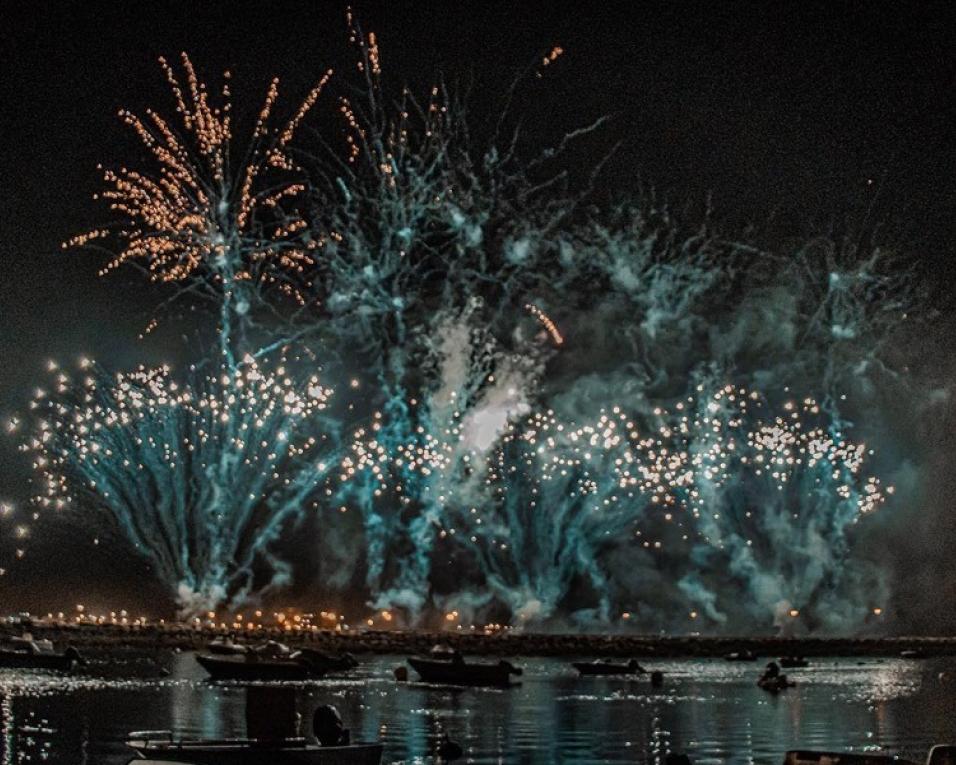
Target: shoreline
x,y
152,638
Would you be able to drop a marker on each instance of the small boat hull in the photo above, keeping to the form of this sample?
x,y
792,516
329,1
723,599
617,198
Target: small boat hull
x,y
806,757
442,672
225,648
604,669
793,662
323,662
250,667
246,752
741,656
60,662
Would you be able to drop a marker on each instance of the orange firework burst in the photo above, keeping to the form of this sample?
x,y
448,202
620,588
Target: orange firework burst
x,y
196,214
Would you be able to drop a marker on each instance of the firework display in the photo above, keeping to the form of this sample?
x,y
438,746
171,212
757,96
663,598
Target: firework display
x,y
200,477
562,410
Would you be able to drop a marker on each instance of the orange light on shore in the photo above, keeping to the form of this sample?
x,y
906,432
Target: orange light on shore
x,y
794,613
877,611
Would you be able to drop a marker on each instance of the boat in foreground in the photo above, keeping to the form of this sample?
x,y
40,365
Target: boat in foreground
x,y
940,754
159,747
608,668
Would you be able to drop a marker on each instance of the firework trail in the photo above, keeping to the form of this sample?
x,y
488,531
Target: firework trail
x,y
432,244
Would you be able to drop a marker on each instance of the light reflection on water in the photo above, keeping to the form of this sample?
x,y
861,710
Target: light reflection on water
x,y
710,709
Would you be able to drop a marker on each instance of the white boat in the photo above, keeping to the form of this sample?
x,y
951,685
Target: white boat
x,y
159,747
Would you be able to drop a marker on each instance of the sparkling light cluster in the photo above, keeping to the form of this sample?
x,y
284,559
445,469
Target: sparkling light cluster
x,y
552,497
200,476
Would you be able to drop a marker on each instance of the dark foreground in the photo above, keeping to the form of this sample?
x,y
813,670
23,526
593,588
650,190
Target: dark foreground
x,y
158,637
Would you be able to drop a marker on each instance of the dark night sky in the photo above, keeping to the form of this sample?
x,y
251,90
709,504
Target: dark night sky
x,y
791,109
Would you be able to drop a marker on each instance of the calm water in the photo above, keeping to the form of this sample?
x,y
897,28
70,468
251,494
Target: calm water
x,y
709,709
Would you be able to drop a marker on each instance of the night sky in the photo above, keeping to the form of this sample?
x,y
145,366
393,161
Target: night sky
x,y
812,113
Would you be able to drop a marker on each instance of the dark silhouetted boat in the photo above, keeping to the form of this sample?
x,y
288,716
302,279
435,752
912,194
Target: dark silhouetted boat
x,y
941,754
741,656
159,747
456,671
226,646
26,653
608,668
252,667
793,662
802,757
273,661
341,663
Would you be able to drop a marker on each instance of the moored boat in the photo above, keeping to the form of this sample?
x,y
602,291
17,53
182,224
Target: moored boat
x,y
252,667
159,746
342,663
793,662
226,646
273,661
608,668
741,656
459,672
26,653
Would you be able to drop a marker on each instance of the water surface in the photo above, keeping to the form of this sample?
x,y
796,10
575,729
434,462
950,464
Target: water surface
x,y
709,709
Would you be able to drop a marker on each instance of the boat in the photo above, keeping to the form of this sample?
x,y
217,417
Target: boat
x,y
159,747
741,656
457,671
940,754
341,663
252,667
793,662
26,653
803,757
273,661
608,668
226,646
